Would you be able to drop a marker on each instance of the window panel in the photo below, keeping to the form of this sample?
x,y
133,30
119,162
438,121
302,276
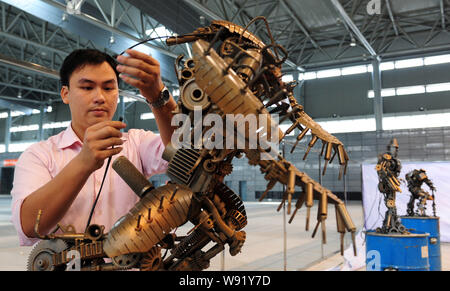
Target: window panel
x,y
438,87
354,70
329,73
147,116
409,63
436,60
410,90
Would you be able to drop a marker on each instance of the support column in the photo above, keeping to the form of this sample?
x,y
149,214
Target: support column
x,y
122,109
40,136
378,100
7,131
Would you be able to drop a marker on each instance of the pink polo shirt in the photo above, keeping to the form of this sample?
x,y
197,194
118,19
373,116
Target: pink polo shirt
x,y
44,160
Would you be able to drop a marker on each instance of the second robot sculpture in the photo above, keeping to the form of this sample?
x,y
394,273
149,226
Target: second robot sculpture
x,y
416,179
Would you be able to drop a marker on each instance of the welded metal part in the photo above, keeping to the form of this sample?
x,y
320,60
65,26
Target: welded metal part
x,y
139,231
388,169
416,179
41,257
231,72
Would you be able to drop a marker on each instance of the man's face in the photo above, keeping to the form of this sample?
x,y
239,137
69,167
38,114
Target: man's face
x,y
92,95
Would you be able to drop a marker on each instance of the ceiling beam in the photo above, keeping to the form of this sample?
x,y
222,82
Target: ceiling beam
x,y
15,106
51,74
30,42
97,32
213,16
297,21
90,19
204,10
386,56
353,27
29,88
35,68
15,99
391,16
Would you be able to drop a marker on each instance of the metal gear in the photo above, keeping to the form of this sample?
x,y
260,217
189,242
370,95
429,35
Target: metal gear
x,y
226,169
238,219
152,260
127,261
390,203
41,257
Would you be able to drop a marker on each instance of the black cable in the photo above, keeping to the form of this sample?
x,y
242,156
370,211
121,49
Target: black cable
x,y
155,38
121,119
100,190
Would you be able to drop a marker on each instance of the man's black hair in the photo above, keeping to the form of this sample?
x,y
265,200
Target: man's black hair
x,y
82,57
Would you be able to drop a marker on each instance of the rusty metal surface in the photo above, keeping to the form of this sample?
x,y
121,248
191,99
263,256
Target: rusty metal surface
x,y
232,72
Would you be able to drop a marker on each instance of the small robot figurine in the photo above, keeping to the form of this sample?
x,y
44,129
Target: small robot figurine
x,y
415,181
388,170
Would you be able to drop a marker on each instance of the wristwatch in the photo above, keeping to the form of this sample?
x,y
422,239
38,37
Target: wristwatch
x,y
163,99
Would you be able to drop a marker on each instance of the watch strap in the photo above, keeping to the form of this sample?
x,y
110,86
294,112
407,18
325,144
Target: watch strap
x,y
161,101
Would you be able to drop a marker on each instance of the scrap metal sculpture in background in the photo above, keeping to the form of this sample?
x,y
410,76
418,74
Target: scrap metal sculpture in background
x,y
231,72
415,180
388,170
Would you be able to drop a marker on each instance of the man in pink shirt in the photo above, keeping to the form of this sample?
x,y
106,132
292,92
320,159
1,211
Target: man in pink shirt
x,y
62,175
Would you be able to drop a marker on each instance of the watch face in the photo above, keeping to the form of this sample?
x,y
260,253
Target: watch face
x,y
165,95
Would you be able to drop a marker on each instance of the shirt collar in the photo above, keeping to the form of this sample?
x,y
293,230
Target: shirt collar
x,y
69,138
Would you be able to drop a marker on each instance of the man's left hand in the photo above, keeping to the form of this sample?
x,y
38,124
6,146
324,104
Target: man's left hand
x,y
143,72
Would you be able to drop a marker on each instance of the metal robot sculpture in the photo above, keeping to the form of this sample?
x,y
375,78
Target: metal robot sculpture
x,y
231,72
415,180
388,169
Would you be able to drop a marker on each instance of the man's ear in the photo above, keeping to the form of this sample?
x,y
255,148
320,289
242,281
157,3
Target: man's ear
x,y
65,94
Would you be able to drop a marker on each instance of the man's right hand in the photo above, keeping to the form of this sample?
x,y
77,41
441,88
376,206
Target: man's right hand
x,y
100,142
